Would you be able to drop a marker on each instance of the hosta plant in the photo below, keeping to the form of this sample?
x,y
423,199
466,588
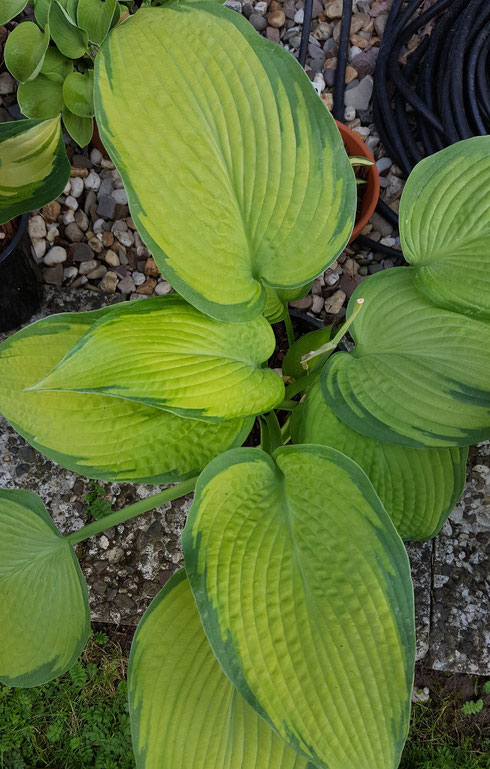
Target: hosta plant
x,y
287,641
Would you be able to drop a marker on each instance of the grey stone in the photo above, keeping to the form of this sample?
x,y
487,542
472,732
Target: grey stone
x,y
420,555
126,285
53,275
81,219
365,62
73,232
90,200
97,273
105,187
87,266
92,181
258,22
81,252
359,96
55,255
7,84
106,206
460,625
380,23
381,225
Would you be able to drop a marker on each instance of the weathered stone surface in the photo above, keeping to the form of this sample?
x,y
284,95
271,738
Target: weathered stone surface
x,y
420,555
460,625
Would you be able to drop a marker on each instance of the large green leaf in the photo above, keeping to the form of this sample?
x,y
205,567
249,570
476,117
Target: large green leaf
x,y
97,435
10,8
165,353
25,49
34,167
41,98
70,39
95,17
44,613
419,375
236,175
41,11
185,713
292,365
304,590
445,226
418,487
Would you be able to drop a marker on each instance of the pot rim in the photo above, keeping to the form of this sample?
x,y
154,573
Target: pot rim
x,y
17,237
372,190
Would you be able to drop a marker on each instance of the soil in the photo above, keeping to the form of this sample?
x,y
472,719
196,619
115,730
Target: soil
x,y
8,230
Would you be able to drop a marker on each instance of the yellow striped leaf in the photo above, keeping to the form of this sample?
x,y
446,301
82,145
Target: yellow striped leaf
x,y
44,613
34,167
418,487
185,713
98,435
236,174
166,354
304,591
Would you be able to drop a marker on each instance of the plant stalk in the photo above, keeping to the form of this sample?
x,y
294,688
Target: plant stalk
x,y
301,384
333,342
131,511
289,328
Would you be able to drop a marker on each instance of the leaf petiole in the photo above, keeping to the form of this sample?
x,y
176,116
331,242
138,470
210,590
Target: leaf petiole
x,y
333,342
131,511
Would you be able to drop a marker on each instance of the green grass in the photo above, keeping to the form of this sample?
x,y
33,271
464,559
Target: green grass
x,y
80,721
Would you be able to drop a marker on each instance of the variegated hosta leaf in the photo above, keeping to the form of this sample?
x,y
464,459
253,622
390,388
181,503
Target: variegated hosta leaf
x,y
419,375
97,435
236,175
418,487
445,226
34,167
304,591
165,353
185,713
44,613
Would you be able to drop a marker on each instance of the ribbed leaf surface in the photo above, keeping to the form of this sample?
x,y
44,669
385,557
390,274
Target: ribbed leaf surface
x,y
97,435
445,226
418,487
185,713
34,167
165,353
236,174
419,375
44,614
304,590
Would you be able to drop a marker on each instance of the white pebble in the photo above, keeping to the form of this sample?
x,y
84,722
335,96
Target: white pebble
x,y
38,247
96,156
125,238
120,196
319,83
71,202
98,226
317,304
55,255
92,181
76,186
261,7
384,164
53,232
349,114
69,273
88,266
163,288
299,16
67,189
105,163
331,278
138,278
68,217
36,227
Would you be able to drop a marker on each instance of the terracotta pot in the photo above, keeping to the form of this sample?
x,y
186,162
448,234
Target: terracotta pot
x,y
355,146
96,140
20,287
